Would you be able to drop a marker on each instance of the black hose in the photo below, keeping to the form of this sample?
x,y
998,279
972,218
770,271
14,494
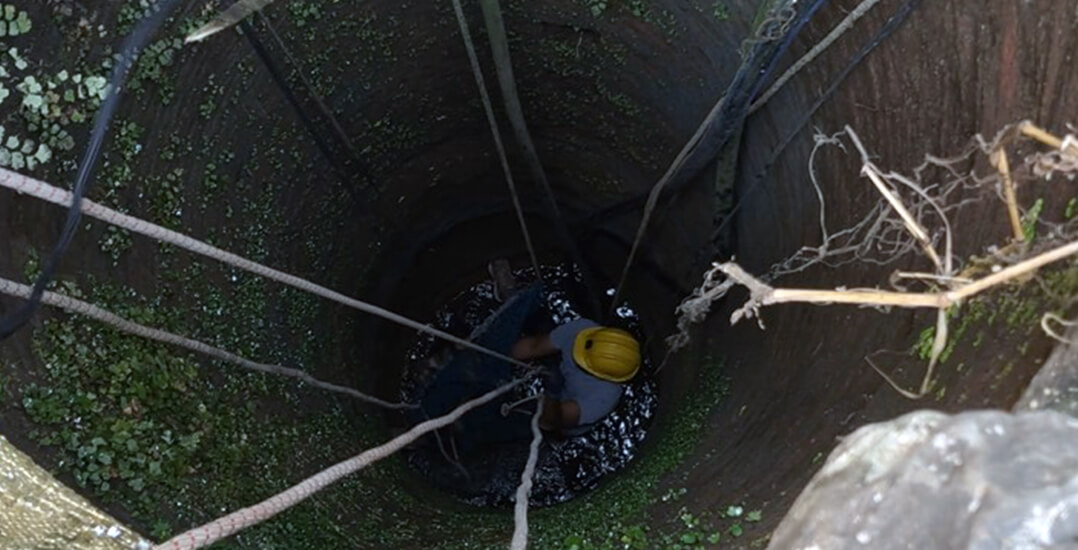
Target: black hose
x,y
132,47
745,87
892,24
748,81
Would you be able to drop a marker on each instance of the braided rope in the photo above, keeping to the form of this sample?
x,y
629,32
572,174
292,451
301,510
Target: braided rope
x,y
246,517
55,195
690,146
520,509
135,43
227,18
816,50
72,305
656,191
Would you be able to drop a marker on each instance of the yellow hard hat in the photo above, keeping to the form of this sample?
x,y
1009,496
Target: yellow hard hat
x,y
607,353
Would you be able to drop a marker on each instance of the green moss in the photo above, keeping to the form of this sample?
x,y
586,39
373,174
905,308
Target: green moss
x,y
621,102
1019,307
154,67
13,21
116,173
130,13
978,340
720,10
923,348
41,103
1030,218
596,7
166,199
603,517
212,96
386,140
141,424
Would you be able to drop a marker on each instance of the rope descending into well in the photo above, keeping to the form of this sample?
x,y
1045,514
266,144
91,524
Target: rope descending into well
x,y
503,65
230,524
676,166
520,509
477,71
697,306
840,29
55,195
133,45
770,39
889,27
72,305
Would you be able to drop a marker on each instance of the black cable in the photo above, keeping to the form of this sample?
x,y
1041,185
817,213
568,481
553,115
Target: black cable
x,y
892,24
743,89
748,81
125,61
787,40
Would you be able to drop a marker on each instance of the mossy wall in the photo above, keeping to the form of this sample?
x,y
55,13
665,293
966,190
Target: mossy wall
x,y
205,143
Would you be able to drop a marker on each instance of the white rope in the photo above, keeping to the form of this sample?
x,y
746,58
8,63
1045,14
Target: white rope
x,y
55,195
508,407
234,14
656,191
520,509
246,517
72,305
816,50
489,109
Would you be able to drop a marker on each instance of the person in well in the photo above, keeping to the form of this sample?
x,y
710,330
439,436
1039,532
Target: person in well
x,y
596,362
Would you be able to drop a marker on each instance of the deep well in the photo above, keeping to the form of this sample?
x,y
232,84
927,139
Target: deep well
x,y
206,143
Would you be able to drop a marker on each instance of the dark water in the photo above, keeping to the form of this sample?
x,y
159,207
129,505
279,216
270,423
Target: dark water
x,y
566,467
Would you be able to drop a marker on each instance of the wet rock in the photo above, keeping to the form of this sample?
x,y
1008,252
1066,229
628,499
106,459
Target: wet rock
x,y
1055,387
979,480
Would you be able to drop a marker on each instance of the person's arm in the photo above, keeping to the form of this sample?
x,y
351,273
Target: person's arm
x,y
559,415
533,347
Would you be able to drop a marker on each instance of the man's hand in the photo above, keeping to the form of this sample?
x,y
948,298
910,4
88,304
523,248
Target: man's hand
x,y
533,347
559,416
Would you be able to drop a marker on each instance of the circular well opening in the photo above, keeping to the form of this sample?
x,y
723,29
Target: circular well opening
x,y
484,468
447,284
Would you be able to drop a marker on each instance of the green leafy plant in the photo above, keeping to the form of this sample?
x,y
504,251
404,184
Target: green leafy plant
x,y
304,13
47,104
15,22
1030,218
720,10
152,67
18,153
596,7
131,12
109,406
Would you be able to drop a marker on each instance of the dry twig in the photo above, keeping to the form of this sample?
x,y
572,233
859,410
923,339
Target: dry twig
x,y
763,294
898,224
998,158
1047,327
